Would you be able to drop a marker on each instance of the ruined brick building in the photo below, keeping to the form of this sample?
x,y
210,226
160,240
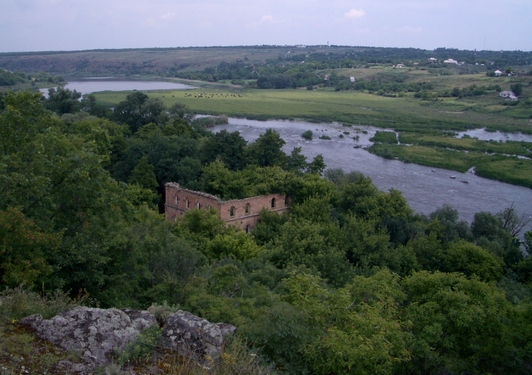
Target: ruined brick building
x,y
243,213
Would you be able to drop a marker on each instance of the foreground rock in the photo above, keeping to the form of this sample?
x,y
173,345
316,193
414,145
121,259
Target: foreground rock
x,y
98,334
195,337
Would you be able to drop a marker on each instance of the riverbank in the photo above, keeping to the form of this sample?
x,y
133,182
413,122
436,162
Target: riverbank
x,y
508,161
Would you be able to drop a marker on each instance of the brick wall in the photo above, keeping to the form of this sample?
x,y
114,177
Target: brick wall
x,y
243,213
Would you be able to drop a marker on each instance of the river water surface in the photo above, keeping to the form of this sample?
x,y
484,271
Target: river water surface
x,y
89,86
425,188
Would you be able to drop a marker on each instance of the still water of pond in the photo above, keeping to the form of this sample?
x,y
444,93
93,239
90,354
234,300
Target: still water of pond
x,y
425,188
108,84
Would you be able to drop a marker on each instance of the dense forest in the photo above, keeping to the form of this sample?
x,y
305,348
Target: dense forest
x,y
351,281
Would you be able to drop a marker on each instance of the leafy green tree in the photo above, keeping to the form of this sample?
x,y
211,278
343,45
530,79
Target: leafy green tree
x,y
296,162
303,243
143,175
228,147
317,165
449,227
25,250
268,226
357,326
517,88
235,244
282,331
429,251
138,110
62,100
90,105
457,323
472,260
491,233
267,150
301,187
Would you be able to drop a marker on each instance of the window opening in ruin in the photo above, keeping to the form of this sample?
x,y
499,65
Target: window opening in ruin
x,y
273,202
247,208
232,211
247,228
187,203
198,205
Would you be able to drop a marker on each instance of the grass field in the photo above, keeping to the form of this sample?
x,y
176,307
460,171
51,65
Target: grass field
x,y
401,113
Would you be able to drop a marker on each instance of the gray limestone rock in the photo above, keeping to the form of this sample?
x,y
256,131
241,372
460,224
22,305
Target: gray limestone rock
x,y
195,337
93,333
97,334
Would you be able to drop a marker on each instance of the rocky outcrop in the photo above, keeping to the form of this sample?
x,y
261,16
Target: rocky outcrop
x,y
98,334
195,337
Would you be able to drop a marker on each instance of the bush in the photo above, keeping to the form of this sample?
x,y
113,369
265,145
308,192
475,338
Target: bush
x,y
19,303
143,347
307,135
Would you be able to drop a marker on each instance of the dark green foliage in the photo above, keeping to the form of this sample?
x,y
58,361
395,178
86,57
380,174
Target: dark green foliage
x,y
228,147
25,251
517,88
446,225
457,324
350,281
385,137
138,110
142,347
62,101
307,135
267,151
143,175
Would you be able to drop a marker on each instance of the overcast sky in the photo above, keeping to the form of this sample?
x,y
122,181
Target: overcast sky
x,y
51,25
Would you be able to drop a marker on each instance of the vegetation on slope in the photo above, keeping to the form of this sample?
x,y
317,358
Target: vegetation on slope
x,y
350,281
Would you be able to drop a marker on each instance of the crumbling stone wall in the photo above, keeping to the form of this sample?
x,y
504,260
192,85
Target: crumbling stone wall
x,y
243,213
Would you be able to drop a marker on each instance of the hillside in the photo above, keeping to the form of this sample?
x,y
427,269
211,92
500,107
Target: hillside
x,y
172,61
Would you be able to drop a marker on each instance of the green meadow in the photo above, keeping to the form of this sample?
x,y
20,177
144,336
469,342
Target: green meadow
x,y
401,113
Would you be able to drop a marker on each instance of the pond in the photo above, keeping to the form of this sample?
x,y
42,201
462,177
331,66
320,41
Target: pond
x,y
112,84
425,188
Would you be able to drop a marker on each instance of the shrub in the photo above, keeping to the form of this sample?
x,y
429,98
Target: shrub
x,y
19,303
307,135
142,347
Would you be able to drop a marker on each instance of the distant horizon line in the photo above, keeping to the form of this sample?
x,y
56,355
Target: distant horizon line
x,y
253,45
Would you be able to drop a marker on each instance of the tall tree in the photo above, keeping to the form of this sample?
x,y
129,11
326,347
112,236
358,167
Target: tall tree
x,y
267,150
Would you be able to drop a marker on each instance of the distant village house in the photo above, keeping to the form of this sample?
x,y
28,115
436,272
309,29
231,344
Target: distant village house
x,y
508,95
450,61
242,213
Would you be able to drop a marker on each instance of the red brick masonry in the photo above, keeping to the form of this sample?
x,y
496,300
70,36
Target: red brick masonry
x,y
243,213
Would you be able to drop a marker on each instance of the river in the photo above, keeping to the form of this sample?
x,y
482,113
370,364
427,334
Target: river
x,y
425,188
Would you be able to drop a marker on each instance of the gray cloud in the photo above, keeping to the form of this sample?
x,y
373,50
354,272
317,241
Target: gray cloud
x,y
36,25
